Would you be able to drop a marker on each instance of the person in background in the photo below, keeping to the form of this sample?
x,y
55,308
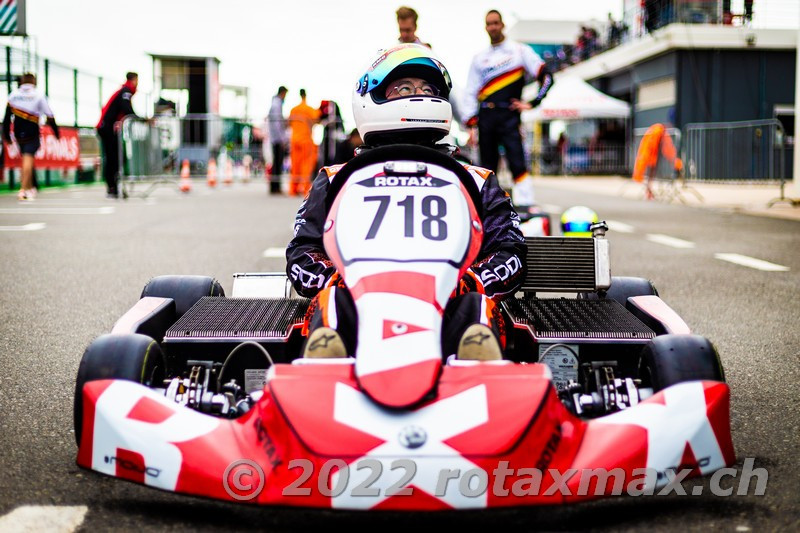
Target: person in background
x,y
346,149
303,151
117,108
493,103
276,129
25,108
332,133
407,25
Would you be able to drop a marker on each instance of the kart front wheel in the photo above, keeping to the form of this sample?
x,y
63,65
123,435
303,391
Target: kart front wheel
x,y
128,356
671,359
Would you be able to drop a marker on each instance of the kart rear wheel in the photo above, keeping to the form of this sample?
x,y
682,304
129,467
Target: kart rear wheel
x,y
128,356
671,359
623,287
185,290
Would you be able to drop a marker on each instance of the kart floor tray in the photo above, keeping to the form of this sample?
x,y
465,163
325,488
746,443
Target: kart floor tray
x,y
216,318
577,320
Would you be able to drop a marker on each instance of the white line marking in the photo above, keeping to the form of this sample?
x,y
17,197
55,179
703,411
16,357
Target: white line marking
x,y
61,519
275,253
751,262
551,208
33,226
666,240
619,227
58,211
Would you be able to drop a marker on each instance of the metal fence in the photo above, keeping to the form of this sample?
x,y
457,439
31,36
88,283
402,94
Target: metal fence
x,y
592,158
154,151
749,151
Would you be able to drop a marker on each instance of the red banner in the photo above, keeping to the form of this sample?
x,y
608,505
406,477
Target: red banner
x,y
53,153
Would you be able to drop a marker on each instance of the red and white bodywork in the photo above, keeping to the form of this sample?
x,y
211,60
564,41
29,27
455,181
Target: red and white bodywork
x,y
394,428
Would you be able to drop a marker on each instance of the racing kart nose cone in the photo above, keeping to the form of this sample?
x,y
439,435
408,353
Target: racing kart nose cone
x,y
412,437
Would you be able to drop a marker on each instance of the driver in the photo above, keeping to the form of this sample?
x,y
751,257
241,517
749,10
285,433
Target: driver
x,y
403,98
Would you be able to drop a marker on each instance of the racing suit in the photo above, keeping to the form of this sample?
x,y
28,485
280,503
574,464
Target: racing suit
x,y
302,150
498,272
497,75
26,105
118,107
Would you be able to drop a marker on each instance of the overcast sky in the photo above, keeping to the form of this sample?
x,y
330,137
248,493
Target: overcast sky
x,y
320,45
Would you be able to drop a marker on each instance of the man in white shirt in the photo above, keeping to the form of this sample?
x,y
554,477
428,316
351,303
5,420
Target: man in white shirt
x,y
493,103
25,108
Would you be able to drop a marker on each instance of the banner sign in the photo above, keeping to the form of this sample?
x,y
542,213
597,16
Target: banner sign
x,y
12,17
53,153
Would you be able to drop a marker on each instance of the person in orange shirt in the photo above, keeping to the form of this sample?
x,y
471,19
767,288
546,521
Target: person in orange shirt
x,y
303,151
655,143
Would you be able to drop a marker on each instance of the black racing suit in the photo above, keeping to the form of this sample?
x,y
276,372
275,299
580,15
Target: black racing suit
x,y
118,107
498,272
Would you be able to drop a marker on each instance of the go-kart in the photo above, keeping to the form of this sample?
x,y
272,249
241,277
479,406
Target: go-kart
x,y
602,392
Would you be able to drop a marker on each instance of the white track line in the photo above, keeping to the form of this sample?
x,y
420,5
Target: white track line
x,y
551,208
751,262
33,226
57,211
619,227
666,240
61,519
274,253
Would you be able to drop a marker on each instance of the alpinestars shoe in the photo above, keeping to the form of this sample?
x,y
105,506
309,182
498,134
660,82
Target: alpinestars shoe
x,y
479,343
324,343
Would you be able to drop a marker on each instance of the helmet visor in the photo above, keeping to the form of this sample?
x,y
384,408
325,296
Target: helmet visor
x,y
389,60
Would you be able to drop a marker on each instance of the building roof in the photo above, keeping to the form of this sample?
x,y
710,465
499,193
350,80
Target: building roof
x,y
548,31
683,36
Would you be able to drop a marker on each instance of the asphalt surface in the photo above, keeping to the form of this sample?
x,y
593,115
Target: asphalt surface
x,y
70,280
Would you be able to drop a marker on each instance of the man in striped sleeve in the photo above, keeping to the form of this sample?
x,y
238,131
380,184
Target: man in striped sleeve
x,y
494,104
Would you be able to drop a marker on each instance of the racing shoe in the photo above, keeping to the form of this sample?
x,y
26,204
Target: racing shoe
x,y
522,192
479,343
324,343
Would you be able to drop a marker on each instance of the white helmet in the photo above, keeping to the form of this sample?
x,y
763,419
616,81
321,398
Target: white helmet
x,y
417,118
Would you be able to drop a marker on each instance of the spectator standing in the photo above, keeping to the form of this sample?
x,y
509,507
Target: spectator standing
x,y
276,129
25,108
117,108
407,26
332,133
493,104
302,150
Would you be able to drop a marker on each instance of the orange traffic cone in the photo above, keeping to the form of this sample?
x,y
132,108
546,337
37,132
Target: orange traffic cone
x,y
247,160
212,173
228,179
185,183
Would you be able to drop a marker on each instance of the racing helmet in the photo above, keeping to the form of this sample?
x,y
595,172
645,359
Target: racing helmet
x,y
577,221
417,118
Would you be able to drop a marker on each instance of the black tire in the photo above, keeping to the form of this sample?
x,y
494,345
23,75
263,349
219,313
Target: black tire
x,y
671,359
185,290
127,356
623,287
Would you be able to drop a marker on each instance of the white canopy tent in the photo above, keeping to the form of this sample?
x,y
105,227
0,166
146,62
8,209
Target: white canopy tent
x,y
571,98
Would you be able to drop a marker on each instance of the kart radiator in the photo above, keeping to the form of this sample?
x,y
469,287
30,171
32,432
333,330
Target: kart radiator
x,y
560,319
566,264
239,319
